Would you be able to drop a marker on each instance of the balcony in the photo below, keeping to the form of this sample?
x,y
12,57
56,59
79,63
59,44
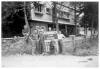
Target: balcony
x,y
64,18
38,13
64,15
67,20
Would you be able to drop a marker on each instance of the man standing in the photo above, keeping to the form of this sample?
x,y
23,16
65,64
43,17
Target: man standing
x,y
35,42
41,43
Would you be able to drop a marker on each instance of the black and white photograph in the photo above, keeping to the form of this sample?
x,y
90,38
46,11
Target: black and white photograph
x,y
49,34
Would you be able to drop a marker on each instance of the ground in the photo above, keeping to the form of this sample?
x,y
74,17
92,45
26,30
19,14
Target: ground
x,y
49,61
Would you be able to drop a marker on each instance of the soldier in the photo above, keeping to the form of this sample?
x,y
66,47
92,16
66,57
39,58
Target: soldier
x,y
41,43
34,38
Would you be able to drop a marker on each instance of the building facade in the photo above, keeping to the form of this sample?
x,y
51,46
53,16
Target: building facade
x,y
41,17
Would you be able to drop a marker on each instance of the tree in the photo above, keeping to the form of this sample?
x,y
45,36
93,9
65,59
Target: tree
x,y
90,18
26,21
77,7
54,15
10,12
90,10
9,9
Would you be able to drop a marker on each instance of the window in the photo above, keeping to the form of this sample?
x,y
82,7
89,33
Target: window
x,y
48,10
38,6
68,20
60,14
67,14
63,14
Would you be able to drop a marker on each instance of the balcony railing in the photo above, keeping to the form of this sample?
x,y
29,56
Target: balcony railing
x,y
64,18
38,13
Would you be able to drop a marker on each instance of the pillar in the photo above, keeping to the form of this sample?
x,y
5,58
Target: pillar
x,y
66,29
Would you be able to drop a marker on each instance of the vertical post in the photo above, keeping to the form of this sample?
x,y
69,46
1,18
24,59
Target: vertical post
x,y
74,46
57,26
66,29
73,42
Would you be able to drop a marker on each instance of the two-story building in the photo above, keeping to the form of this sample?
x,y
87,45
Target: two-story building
x,y
41,17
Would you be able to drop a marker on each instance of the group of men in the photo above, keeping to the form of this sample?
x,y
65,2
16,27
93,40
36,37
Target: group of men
x,y
38,43
41,46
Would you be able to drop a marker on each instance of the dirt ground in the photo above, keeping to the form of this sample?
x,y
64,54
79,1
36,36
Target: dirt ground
x,y
49,61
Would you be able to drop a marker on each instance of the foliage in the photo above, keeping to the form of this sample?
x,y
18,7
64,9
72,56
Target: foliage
x,y
9,9
90,14
13,17
77,7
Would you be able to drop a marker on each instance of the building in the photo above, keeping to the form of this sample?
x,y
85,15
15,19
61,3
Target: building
x,y
41,17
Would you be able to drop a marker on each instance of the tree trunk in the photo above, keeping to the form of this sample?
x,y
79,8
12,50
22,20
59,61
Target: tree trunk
x,y
54,16
26,22
75,19
85,28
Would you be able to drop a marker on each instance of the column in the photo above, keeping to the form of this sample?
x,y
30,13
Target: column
x,y
66,29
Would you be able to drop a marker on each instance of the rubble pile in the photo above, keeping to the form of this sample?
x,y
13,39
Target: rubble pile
x,y
88,48
18,47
